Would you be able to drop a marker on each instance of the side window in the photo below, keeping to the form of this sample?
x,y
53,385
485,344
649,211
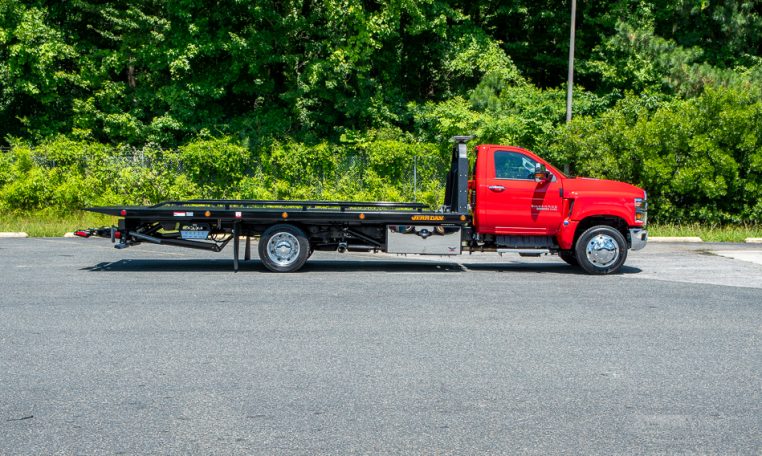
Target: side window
x,y
513,165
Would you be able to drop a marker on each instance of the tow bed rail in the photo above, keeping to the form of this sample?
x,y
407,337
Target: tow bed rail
x,y
210,224
270,211
286,203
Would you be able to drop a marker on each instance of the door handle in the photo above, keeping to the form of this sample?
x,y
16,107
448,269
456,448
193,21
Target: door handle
x,y
496,188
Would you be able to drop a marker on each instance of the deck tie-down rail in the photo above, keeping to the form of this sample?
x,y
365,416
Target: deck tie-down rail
x,y
305,205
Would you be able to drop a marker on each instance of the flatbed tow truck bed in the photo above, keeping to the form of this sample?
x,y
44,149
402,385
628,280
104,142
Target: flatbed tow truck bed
x,y
290,231
318,225
260,211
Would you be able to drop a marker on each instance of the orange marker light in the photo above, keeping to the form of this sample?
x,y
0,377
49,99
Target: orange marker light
x,y
462,218
208,214
362,216
284,215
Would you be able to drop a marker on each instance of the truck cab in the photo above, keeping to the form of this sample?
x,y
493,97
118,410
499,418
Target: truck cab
x,y
522,203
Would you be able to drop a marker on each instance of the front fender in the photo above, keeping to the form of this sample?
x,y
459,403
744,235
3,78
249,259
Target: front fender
x,y
623,208
584,208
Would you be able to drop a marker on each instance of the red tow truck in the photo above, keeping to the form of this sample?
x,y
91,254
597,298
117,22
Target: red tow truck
x,y
510,201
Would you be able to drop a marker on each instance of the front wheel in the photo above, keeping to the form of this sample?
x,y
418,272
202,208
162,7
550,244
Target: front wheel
x,y
601,250
283,248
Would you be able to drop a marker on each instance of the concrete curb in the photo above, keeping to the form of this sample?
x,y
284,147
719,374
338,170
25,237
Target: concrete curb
x,y
754,240
674,239
9,234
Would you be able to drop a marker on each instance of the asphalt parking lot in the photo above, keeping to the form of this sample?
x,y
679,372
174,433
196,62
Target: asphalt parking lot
x,y
164,351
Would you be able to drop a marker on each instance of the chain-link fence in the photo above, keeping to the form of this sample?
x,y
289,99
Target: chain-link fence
x,y
413,176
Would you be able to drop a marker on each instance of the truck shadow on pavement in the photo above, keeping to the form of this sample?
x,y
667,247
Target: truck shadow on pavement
x,y
335,266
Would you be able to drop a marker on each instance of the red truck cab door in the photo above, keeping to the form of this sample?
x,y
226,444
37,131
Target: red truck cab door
x,y
509,200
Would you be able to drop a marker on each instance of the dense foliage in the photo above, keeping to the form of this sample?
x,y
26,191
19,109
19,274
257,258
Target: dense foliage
x,y
71,174
112,102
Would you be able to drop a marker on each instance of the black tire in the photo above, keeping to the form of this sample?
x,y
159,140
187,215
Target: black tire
x,y
568,256
283,248
601,250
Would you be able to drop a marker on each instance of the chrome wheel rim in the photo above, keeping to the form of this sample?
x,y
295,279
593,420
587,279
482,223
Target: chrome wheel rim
x,y
602,250
283,248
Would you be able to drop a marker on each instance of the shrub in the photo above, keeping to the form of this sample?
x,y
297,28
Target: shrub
x,y
215,165
699,159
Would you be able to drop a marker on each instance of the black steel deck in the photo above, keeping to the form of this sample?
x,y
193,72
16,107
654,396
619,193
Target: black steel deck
x,y
270,211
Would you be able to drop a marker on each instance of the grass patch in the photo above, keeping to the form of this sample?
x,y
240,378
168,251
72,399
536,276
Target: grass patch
x,y
46,224
708,233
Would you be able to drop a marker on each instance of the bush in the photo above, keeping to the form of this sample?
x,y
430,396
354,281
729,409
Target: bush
x,y
699,159
67,175
29,191
215,165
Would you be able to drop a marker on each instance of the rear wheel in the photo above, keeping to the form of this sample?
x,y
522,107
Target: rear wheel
x,y
601,250
568,256
283,248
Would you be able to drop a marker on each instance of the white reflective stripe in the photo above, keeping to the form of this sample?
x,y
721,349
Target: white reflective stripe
x,y
462,151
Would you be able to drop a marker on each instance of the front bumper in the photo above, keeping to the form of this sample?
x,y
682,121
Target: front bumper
x,y
638,238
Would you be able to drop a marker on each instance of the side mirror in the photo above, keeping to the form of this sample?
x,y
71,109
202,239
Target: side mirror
x,y
541,174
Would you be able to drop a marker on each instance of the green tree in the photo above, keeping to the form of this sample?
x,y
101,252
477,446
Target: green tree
x,y
39,77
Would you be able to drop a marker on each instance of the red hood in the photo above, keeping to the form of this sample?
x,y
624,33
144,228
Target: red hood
x,y
587,186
